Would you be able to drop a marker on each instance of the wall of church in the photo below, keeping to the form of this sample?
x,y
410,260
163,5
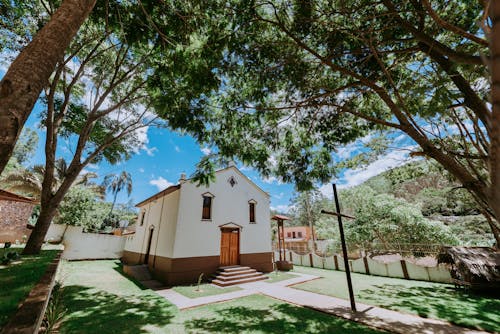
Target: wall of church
x,y
197,237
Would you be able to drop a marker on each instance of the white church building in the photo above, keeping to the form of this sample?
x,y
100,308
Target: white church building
x,y
186,230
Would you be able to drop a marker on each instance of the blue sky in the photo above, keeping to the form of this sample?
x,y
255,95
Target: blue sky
x,y
167,154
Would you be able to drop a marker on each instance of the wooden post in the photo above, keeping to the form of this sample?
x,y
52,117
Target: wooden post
x,y
344,249
280,245
283,244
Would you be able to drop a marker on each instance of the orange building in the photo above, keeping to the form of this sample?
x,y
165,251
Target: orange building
x,y
297,238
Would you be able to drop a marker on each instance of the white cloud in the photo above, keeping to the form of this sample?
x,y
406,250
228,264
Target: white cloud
x,y
205,150
141,170
150,151
271,180
177,148
345,152
6,59
326,190
93,166
281,208
245,168
279,196
354,177
84,171
160,183
272,161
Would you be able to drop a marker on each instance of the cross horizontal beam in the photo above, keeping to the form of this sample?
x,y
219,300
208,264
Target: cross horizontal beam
x,y
337,214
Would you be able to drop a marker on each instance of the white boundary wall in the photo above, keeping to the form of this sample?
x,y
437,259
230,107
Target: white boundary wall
x,y
86,246
397,269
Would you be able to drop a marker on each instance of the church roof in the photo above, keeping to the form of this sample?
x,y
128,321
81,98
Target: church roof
x,y
162,193
171,189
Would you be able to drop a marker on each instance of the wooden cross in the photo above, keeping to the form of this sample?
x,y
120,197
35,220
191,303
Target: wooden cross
x,y
344,247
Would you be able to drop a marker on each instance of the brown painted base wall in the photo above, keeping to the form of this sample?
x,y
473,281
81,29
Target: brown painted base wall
x,y
187,270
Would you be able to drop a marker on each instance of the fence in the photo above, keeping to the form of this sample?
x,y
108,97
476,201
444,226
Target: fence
x,y
366,265
328,248
86,246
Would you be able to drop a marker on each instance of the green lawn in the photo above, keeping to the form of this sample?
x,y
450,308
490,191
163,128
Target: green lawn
x,y
206,289
18,278
101,300
277,276
433,300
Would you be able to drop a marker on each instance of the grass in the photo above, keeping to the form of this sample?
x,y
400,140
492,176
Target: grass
x,y
101,300
427,299
207,289
277,276
18,278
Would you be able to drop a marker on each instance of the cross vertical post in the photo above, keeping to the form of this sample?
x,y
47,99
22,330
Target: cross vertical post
x,y
344,249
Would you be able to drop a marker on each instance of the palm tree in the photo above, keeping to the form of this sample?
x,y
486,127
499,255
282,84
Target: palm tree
x,y
85,180
29,181
116,183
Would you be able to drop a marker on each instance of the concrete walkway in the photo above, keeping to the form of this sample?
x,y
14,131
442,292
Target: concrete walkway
x,y
182,302
381,318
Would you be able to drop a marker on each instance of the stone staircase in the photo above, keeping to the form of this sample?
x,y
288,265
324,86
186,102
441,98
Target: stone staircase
x,y
232,275
141,273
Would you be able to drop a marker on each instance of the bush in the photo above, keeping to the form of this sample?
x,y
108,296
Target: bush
x,y
9,257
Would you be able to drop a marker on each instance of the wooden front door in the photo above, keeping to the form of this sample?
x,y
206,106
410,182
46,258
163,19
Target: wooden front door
x,y
230,247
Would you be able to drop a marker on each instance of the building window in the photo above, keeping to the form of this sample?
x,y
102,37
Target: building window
x,y
293,235
142,217
207,208
289,235
299,234
251,207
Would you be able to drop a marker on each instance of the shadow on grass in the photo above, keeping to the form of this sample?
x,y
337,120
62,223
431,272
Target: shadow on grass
x,y
458,307
96,311
18,278
280,318
119,269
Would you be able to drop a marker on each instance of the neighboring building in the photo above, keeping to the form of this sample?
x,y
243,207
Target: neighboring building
x,y
297,238
15,211
186,230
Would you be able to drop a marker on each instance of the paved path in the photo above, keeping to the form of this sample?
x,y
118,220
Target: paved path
x,y
183,302
369,315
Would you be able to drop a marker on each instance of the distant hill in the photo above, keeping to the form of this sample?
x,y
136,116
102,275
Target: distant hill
x,y
439,197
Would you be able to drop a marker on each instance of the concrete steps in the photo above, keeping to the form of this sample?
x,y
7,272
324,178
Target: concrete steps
x,y
141,273
233,275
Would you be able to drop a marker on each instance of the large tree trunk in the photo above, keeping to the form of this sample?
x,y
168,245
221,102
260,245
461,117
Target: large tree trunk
x,y
31,70
42,225
48,208
495,101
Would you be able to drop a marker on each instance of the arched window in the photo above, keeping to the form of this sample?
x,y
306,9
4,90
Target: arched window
x,y
206,213
251,210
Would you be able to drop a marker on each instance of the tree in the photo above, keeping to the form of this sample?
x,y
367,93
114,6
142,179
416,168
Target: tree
x,y
28,74
389,220
306,210
101,96
30,181
303,78
116,183
494,13
23,151
97,101
81,208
